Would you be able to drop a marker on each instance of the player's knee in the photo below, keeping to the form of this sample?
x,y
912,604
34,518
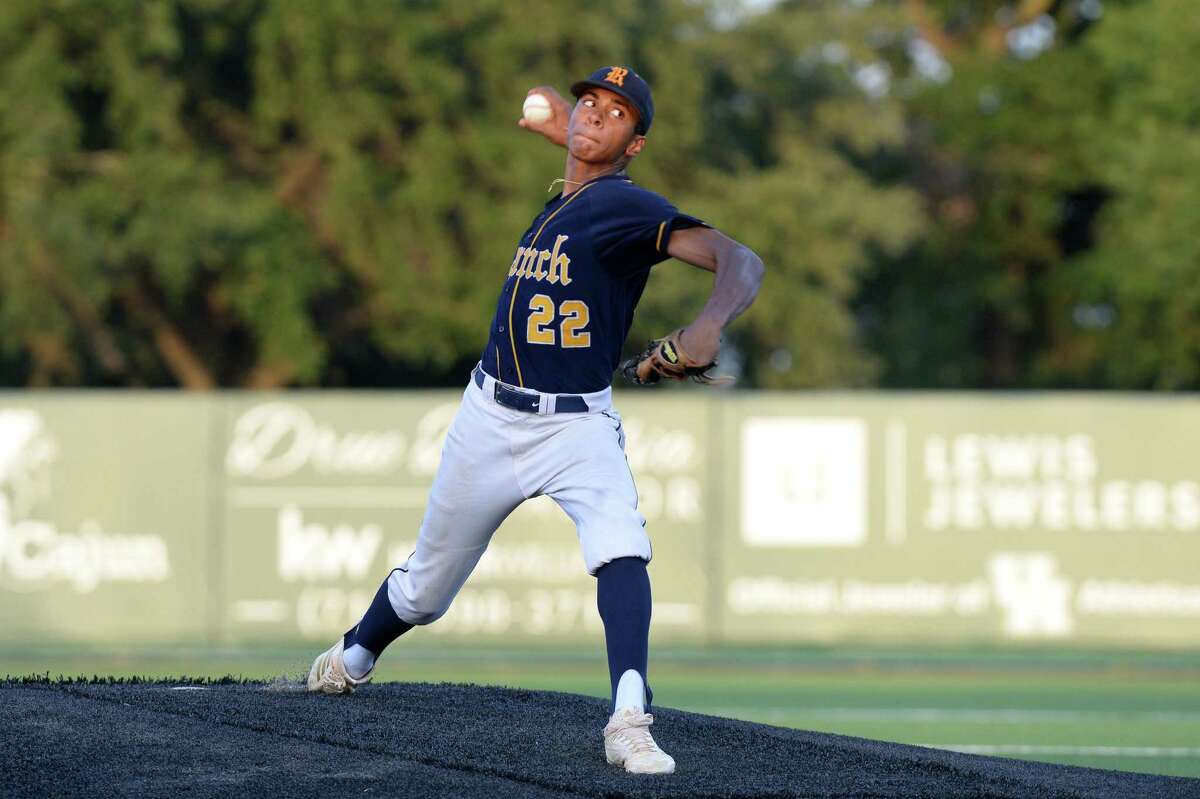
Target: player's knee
x,y
426,607
423,619
627,565
428,582
627,542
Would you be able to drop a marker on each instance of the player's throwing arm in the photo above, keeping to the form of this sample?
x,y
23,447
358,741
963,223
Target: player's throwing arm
x,y
689,352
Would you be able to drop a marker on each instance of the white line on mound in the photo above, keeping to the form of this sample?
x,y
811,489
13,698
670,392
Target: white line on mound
x,y
939,714
1092,751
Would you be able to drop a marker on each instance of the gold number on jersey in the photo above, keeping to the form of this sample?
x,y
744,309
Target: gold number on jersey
x,y
575,317
542,315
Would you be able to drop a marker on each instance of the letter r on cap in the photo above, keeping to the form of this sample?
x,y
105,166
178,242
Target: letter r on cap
x,y
617,75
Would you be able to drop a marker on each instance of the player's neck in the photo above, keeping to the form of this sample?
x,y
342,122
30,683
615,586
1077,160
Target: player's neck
x,y
579,172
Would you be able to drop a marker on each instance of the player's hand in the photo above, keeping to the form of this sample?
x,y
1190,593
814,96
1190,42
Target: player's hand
x,y
554,128
701,340
669,358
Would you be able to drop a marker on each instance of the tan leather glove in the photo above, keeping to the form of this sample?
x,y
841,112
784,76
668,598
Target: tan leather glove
x,y
665,357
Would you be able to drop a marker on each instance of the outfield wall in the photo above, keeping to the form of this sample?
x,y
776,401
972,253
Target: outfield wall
x,y
783,518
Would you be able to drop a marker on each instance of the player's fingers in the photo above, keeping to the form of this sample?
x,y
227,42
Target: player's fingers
x,y
665,370
646,372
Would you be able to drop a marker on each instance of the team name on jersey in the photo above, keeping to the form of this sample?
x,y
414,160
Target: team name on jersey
x,y
552,266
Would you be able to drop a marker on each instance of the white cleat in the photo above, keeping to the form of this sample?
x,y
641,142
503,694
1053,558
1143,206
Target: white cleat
x,y
328,673
628,743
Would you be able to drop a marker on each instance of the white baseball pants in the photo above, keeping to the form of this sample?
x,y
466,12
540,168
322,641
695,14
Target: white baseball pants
x,y
494,459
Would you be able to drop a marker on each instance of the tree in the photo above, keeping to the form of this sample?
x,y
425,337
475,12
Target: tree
x,y
1138,288
266,193
794,112
137,250
1055,168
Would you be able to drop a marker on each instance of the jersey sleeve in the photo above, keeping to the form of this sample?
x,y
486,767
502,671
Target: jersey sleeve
x,y
631,229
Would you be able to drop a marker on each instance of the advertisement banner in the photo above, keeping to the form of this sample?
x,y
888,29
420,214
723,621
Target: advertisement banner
x,y
322,495
1072,519
244,518
104,523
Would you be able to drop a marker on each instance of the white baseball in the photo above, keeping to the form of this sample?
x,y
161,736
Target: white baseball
x,y
536,108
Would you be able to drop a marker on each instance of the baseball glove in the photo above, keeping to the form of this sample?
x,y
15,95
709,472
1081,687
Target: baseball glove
x,y
665,357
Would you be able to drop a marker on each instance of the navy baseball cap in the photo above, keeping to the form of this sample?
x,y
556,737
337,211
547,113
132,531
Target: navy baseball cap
x,y
627,83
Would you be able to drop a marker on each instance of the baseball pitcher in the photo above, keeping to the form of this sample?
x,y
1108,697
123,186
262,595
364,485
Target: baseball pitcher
x,y
537,416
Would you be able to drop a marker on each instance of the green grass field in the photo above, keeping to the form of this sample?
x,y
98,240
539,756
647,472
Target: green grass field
x,y
1127,711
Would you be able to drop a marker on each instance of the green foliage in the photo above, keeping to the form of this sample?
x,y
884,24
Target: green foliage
x,y
782,176
1146,261
1061,191
1001,153
265,193
138,249
298,193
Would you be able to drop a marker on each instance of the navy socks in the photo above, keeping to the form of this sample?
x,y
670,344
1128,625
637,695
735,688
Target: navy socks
x,y
623,597
379,626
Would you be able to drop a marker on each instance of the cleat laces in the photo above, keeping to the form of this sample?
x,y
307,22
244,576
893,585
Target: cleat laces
x,y
637,734
331,678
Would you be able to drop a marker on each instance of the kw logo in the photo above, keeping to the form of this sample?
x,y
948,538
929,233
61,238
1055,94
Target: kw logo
x,y
313,552
616,75
533,264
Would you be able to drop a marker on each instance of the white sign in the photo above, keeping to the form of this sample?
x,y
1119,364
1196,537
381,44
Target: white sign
x,y
804,482
1035,599
313,552
34,553
278,439
1031,482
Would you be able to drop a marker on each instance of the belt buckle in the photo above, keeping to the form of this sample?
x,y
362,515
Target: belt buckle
x,y
516,399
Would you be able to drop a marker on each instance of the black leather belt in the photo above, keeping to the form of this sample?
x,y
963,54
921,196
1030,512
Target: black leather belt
x,y
528,402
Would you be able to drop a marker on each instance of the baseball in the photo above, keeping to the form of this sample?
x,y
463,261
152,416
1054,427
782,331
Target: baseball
x,y
536,108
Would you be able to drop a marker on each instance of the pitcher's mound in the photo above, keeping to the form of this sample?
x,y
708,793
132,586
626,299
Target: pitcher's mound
x,y
93,738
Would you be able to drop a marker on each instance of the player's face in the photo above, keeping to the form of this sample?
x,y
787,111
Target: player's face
x,y
601,128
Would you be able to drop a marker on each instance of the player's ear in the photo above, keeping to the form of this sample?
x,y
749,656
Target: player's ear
x,y
635,146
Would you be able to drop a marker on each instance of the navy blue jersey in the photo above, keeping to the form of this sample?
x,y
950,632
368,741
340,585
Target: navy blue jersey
x,y
573,284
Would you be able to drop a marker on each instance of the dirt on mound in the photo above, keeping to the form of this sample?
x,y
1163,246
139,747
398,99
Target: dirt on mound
x,y
214,738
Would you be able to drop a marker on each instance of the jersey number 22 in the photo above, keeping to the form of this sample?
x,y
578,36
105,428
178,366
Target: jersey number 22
x,y
575,318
